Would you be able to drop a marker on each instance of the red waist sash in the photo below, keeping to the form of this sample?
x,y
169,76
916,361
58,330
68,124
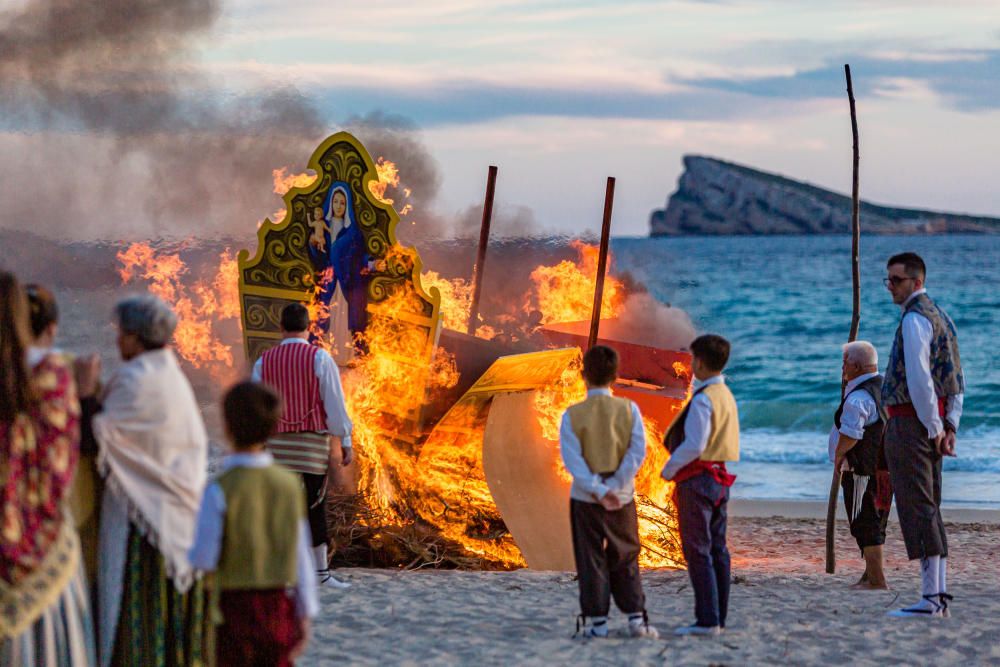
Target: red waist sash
x,y
907,409
717,469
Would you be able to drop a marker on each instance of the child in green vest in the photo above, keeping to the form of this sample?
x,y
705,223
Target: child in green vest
x,y
702,438
603,444
252,532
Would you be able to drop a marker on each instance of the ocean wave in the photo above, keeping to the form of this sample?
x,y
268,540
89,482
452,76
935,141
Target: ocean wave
x,y
978,450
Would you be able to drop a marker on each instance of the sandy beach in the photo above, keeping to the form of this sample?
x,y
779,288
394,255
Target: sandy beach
x,y
784,609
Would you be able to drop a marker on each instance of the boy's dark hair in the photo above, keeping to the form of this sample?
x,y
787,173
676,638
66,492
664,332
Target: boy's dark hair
x,y
712,350
252,411
44,310
912,264
294,318
600,366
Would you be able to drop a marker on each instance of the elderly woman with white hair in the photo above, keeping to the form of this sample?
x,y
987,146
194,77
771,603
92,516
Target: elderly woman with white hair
x,y
153,452
856,450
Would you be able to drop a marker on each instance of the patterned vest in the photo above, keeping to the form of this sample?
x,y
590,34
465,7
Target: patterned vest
x,y
864,456
946,366
291,370
603,424
261,528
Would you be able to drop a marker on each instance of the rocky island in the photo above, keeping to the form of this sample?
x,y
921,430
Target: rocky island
x,y
714,197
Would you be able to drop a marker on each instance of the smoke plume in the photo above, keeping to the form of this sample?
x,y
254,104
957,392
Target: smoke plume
x,y
113,132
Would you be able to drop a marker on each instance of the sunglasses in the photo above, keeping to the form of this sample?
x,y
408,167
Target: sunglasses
x,y
895,280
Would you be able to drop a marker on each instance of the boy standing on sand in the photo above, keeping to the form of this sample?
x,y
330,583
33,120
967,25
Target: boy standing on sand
x,y
703,437
603,444
252,532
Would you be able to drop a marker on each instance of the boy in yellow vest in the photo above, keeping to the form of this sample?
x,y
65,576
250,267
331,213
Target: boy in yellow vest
x,y
603,444
702,438
253,533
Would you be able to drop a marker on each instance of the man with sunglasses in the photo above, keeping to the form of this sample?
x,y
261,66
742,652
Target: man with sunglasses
x,y
922,393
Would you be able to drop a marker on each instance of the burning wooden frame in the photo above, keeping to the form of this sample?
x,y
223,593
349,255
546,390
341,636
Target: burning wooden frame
x,y
456,437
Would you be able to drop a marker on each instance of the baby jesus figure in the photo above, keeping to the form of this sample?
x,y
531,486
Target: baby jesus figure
x,y
319,227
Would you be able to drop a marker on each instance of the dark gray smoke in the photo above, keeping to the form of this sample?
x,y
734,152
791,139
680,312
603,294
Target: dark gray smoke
x,y
110,132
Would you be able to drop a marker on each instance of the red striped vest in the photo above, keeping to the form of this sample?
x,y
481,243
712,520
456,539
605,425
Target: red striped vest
x,y
291,370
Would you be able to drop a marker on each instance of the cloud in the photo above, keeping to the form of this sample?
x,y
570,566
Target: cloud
x,y
959,77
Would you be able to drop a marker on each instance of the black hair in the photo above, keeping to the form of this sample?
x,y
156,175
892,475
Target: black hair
x,y
912,263
252,411
294,318
600,366
713,351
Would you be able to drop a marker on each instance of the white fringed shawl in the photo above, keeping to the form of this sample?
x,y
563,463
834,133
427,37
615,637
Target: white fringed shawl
x,y
153,452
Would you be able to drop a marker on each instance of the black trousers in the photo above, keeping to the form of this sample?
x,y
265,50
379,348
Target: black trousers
x,y
606,549
702,516
868,527
315,490
915,470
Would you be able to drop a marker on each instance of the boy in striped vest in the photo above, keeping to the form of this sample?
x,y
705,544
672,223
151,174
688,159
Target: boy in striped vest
x,y
307,379
252,533
603,444
702,438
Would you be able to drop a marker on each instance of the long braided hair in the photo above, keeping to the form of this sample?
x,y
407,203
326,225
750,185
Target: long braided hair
x,y
16,388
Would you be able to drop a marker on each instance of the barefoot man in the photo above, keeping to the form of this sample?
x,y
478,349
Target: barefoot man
x,y
922,393
856,450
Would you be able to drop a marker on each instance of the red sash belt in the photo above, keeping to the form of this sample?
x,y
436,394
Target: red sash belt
x,y
907,409
717,469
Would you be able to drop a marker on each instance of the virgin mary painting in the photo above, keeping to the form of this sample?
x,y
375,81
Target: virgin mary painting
x,y
337,251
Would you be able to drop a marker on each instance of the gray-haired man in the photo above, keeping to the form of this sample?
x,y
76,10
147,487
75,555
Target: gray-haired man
x,y
856,450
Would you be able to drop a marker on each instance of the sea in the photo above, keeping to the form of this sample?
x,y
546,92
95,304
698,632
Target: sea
x,y
785,303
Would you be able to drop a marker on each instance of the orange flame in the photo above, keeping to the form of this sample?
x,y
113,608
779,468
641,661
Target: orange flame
x,y
565,292
199,308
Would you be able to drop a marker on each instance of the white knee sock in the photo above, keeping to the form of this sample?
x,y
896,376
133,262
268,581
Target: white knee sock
x,y
319,555
943,575
929,570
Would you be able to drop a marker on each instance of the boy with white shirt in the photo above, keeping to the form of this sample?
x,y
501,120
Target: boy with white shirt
x,y
856,450
253,534
923,393
702,438
603,444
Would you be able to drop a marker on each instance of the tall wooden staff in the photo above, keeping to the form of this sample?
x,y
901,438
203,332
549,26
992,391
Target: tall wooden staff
x,y
831,508
602,263
484,239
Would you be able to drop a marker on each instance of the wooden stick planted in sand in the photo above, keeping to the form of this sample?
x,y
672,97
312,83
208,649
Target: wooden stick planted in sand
x,y
831,508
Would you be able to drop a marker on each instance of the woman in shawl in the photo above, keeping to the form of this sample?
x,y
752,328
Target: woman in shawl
x,y
343,254
44,609
152,452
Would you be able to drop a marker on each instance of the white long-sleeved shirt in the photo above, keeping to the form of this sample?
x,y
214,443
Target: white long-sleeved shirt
x,y
206,550
589,486
697,429
860,410
331,392
917,335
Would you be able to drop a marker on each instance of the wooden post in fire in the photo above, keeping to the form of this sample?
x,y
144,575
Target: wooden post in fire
x,y
484,238
602,263
831,509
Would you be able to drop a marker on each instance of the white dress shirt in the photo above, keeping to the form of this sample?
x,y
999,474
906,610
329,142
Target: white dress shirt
x,y
917,335
860,410
588,485
205,552
331,392
697,429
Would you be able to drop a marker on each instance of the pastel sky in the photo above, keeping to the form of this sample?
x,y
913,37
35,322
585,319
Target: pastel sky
x,y
561,95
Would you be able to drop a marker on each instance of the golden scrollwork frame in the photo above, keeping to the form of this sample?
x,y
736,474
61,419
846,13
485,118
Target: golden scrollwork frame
x,y
281,272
